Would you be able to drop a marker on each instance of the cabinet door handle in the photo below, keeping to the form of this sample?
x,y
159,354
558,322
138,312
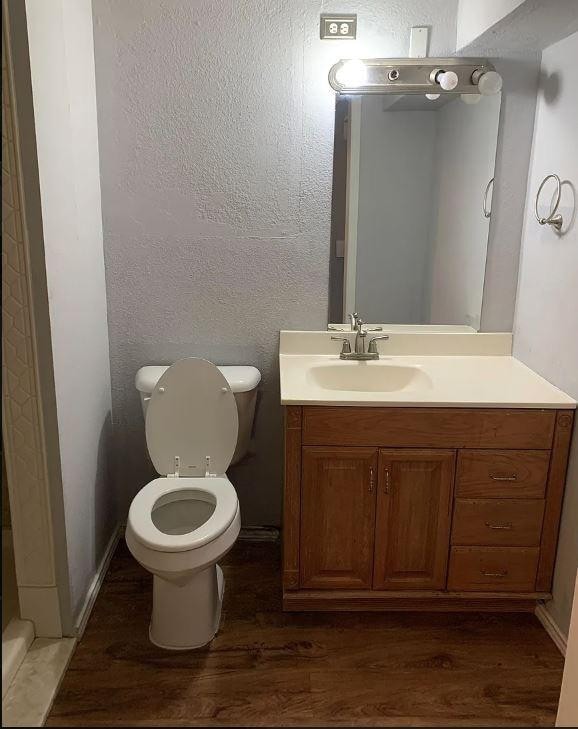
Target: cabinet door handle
x,y
387,480
497,477
503,573
507,525
371,479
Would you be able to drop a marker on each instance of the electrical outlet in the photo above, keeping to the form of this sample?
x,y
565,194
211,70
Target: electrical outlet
x,y
338,27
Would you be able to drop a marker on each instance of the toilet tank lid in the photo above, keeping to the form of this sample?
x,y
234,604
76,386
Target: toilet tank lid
x,y
241,378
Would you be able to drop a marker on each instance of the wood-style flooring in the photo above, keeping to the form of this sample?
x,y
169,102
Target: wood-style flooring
x,y
269,668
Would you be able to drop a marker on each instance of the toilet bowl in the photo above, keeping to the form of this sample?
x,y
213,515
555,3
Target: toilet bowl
x,y
181,524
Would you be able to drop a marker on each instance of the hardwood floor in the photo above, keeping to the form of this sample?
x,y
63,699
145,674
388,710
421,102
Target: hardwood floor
x,y
269,668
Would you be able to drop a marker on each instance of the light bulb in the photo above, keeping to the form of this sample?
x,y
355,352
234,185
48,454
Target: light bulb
x,y
490,83
448,80
432,97
471,98
352,74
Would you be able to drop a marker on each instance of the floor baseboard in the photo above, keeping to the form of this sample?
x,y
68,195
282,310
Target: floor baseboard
x,y
97,581
551,627
259,534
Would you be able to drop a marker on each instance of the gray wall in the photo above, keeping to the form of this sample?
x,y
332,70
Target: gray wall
x,y
546,323
216,137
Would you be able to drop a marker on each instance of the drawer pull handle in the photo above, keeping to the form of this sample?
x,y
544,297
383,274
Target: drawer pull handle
x,y
387,480
494,574
507,525
496,477
371,481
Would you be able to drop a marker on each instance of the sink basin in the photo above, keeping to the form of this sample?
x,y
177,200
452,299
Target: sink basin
x,y
369,377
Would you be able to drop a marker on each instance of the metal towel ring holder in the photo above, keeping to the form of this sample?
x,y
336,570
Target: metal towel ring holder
x,y
487,211
553,219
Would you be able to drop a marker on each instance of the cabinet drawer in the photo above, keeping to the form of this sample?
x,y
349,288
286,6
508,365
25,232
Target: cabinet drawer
x,y
493,569
500,523
428,427
502,474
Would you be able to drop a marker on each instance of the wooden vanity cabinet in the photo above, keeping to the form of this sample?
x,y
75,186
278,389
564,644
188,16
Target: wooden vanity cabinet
x,y
421,508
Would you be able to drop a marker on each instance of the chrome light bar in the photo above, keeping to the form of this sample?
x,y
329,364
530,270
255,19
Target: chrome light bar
x,y
415,76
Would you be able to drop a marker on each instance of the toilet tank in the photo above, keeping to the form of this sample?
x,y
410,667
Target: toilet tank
x,y
243,381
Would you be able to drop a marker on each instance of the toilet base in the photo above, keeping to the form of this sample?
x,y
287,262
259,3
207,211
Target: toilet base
x,y
187,616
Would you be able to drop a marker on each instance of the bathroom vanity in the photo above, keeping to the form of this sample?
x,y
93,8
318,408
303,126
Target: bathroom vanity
x,y
432,481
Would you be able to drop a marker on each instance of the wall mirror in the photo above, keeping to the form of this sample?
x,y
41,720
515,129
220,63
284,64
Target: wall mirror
x,y
412,195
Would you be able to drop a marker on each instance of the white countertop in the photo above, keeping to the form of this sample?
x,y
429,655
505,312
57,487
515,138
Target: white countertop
x,y
469,380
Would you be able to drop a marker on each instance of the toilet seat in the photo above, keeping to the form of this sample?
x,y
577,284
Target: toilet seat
x,y
192,422
191,433
141,511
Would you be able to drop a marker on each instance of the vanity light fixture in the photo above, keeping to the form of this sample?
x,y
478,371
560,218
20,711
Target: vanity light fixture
x,y
448,80
415,76
352,73
488,82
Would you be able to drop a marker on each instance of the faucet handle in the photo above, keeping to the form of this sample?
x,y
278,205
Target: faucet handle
x,y
346,348
372,343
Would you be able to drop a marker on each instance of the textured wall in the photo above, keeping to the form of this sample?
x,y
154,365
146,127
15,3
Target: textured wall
x,y
216,137
547,304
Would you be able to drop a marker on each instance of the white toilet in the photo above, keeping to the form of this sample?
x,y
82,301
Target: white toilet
x,y
198,421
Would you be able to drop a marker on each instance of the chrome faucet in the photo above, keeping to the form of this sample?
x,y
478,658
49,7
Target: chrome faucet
x,y
357,322
360,338
360,354
354,320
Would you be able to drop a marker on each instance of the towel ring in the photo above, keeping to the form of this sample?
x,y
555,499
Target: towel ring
x,y
487,211
553,219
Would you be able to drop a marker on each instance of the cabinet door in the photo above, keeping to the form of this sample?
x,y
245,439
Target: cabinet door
x,y
338,491
412,528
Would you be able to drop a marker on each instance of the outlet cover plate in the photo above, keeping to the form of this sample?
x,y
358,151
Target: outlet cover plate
x,y
338,27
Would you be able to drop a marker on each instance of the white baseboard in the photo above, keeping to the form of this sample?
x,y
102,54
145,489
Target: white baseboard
x,y
551,627
97,581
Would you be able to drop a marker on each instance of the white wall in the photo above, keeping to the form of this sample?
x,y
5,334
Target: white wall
x,y
513,26
395,212
63,85
464,164
216,138
475,17
546,321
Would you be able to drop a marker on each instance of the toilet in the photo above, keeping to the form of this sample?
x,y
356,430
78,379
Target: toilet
x,y
198,422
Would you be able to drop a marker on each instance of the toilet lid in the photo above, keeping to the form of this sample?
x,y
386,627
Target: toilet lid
x,y
192,414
